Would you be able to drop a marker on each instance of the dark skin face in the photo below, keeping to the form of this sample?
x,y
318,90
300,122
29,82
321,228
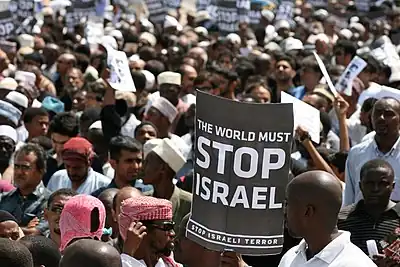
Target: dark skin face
x,y
170,92
77,170
377,186
53,212
386,117
7,147
153,168
160,236
38,126
145,133
128,165
160,121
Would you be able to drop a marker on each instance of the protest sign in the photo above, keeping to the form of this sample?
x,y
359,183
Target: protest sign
x,y
345,81
325,73
230,13
78,11
7,24
305,116
22,9
157,11
241,171
120,75
285,11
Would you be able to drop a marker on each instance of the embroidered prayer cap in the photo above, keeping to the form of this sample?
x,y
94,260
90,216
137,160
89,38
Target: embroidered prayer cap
x,y
166,108
18,99
150,38
80,213
6,130
143,208
77,148
8,111
169,77
170,154
150,145
8,84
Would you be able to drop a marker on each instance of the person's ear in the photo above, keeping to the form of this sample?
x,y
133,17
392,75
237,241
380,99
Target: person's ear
x,y
113,163
310,211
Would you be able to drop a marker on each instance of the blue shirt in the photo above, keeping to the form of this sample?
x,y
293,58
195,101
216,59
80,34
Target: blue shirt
x,y
298,92
358,156
94,181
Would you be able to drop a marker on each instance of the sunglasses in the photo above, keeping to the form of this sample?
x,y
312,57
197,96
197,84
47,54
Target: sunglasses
x,y
166,226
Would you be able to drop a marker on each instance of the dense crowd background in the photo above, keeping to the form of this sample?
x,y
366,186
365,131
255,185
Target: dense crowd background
x,y
104,177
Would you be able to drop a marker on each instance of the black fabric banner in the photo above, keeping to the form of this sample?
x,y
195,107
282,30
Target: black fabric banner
x,y
22,9
240,175
7,24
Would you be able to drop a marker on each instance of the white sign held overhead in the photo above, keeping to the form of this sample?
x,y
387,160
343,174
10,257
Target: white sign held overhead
x,y
305,116
345,81
326,75
120,75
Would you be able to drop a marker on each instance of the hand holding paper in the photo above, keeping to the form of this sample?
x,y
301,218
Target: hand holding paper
x,y
341,106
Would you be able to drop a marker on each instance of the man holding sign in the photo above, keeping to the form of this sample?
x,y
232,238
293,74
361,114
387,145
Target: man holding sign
x,y
241,171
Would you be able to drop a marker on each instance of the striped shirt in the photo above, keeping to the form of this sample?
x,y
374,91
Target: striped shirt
x,y
363,227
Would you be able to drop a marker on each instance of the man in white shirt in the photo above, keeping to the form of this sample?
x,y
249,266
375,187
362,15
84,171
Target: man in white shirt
x,y
313,201
384,145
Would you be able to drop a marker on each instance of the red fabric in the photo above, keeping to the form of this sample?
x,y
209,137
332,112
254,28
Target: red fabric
x,y
77,146
6,186
143,208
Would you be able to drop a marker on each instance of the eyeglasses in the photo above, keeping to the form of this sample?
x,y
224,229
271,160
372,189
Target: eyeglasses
x,y
166,226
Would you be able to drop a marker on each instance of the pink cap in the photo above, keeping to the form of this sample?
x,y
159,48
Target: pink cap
x,y
75,220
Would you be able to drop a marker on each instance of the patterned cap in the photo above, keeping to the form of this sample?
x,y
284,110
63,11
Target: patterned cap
x,y
75,220
77,148
143,208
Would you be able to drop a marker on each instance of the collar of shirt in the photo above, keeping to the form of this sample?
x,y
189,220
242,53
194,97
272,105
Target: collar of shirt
x,y
360,208
39,190
388,154
331,251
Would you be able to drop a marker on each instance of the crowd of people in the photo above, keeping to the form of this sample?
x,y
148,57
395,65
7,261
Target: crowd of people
x,y
92,176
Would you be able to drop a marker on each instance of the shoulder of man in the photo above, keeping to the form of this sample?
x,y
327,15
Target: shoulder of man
x,y
185,196
5,195
346,211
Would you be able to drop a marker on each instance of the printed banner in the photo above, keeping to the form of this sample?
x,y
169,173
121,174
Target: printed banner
x,y
120,74
230,13
345,82
79,9
22,9
241,172
7,25
285,11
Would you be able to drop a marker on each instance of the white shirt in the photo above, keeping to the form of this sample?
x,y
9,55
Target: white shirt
x,y
358,156
128,261
93,182
340,252
128,129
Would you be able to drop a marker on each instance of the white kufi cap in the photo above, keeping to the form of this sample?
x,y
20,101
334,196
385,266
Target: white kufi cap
x,y
169,77
6,130
166,108
150,145
18,99
170,154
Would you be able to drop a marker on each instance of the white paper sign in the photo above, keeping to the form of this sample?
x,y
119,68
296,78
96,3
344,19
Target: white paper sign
x,y
305,116
26,77
120,74
326,75
345,81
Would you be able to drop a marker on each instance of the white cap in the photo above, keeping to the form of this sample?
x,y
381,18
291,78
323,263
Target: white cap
x,y
201,31
292,44
234,38
18,99
25,77
149,38
47,11
150,145
272,46
268,14
150,79
169,77
6,130
96,125
282,24
204,44
134,58
147,24
358,27
36,103
166,108
26,40
321,13
172,22
116,34
10,112
8,84
346,33
202,15
109,41
36,29
170,154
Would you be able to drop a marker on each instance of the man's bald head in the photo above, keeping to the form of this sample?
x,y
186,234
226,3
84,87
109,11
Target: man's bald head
x,y
389,102
313,198
108,195
90,253
124,193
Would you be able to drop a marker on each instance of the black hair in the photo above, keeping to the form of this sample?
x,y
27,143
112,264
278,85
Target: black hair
x,y
61,192
119,143
65,123
288,59
252,86
147,53
83,49
14,254
368,104
140,126
90,115
201,78
326,123
97,88
338,160
349,47
139,79
42,141
31,113
35,57
155,67
43,250
41,157
311,63
373,65
375,164
82,61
